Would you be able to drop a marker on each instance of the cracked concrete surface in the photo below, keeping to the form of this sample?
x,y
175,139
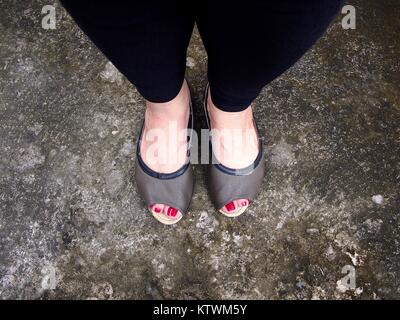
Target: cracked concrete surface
x,y
73,226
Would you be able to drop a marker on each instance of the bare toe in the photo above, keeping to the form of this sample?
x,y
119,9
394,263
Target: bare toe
x,y
243,203
171,213
230,207
157,208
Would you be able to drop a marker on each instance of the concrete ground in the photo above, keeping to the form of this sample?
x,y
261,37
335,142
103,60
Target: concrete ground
x,y
72,224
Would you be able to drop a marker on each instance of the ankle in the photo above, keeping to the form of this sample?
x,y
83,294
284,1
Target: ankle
x,y
176,107
220,118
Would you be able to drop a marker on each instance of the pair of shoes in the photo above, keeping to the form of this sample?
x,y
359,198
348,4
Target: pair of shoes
x,y
176,189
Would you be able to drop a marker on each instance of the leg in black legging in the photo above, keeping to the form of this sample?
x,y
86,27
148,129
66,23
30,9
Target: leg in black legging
x,y
145,40
251,43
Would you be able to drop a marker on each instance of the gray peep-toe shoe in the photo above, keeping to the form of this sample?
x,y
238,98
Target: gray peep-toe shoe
x,y
173,189
227,184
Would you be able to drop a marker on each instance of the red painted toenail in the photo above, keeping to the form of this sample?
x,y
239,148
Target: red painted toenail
x,y
230,206
244,203
158,210
172,212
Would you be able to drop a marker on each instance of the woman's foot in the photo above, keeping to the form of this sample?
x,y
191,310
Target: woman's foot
x,y
164,144
235,144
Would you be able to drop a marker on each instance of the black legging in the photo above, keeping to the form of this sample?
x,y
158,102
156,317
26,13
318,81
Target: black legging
x,y
249,43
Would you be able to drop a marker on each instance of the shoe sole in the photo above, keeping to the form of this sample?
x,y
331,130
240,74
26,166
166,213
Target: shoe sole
x,y
236,214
